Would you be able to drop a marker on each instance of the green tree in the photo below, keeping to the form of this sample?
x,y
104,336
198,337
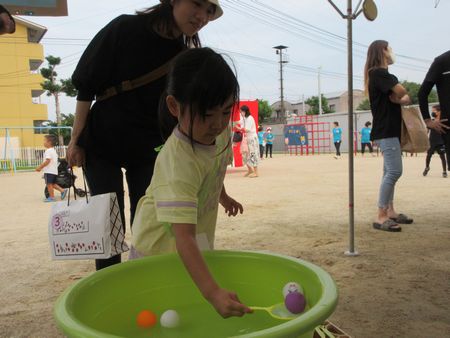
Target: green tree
x,y
66,121
264,110
413,89
313,103
55,89
364,105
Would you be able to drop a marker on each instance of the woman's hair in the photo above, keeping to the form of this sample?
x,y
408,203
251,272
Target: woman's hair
x,y
375,59
246,110
368,123
161,18
200,80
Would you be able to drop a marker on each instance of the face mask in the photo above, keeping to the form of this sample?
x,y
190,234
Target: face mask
x,y
391,56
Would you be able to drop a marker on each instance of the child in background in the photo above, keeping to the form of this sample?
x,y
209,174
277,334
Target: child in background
x,y
337,139
436,144
261,141
178,212
269,141
365,138
50,169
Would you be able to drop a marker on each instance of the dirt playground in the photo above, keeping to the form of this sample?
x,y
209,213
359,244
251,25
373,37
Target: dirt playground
x,y
398,286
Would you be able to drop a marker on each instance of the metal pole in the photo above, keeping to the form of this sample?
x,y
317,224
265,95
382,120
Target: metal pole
x,y
351,209
320,92
281,84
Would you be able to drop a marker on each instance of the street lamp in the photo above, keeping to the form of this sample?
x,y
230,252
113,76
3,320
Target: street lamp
x,y
279,51
370,12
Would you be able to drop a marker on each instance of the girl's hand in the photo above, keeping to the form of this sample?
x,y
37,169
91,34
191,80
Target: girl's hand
x,y
227,304
232,207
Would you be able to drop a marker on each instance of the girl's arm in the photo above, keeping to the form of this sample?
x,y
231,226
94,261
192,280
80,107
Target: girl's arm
x,y
44,164
225,302
232,207
75,154
399,95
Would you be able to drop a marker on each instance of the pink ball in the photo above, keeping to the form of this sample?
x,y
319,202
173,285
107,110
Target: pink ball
x,y
295,302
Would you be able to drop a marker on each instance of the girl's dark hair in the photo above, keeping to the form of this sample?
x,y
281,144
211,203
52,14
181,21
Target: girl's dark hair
x,y
246,110
52,139
161,19
200,80
336,123
375,59
368,123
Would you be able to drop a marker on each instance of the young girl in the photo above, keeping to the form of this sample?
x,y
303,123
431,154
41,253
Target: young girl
x,y
179,209
250,154
386,96
337,139
365,138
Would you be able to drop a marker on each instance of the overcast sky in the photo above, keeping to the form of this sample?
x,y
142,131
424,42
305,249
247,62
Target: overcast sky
x,y
249,29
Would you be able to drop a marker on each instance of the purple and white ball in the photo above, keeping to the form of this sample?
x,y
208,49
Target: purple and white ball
x,y
291,287
295,302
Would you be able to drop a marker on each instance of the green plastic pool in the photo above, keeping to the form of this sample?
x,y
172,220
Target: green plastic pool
x,y
106,303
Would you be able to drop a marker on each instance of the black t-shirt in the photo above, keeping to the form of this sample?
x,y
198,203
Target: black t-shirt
x,y
439,75
386,114
124,128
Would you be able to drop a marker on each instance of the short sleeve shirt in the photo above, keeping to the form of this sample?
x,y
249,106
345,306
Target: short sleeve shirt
x,y
185,188
337,134
386,114
365,135
52,167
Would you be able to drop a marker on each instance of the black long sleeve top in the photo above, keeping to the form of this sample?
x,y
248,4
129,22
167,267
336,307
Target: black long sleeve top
x,y
439,75
123,128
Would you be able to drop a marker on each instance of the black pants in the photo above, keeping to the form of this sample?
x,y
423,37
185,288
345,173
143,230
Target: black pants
x,y
104,176
261,151
441,151
446,138
363,147
269,149
338,147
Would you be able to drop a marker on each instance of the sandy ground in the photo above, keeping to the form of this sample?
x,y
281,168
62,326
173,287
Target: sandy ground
x,y
399,286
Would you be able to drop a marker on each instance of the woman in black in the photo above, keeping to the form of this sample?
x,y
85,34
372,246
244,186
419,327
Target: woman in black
x,y
386,96
122,131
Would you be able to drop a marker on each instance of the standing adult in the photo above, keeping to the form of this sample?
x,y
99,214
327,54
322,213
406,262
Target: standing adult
x,y
386,96
7,23
439,75
120,130
251,155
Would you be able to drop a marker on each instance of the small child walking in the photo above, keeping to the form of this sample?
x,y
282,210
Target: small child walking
x,y
178,212
269,138
50,169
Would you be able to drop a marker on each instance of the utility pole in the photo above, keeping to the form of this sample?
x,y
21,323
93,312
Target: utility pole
x,y
320,92
279,51
369,9
303,104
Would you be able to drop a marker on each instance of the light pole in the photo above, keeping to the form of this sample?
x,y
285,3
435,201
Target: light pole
x,y
279,51
370,12
320,91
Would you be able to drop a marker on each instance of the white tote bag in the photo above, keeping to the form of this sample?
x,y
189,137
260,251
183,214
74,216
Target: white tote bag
x,y
86,228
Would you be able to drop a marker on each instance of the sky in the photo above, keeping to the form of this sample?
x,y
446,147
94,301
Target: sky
x,y
313,31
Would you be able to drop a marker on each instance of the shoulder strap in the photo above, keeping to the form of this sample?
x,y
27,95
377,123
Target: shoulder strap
x,y
128,85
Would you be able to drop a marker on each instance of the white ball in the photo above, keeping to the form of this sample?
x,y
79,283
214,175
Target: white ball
x,y
292,287
170,319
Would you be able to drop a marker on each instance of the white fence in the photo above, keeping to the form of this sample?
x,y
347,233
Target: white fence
x,y
13,159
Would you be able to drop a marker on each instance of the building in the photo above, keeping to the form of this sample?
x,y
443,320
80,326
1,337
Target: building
x,y
337,101
21,55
